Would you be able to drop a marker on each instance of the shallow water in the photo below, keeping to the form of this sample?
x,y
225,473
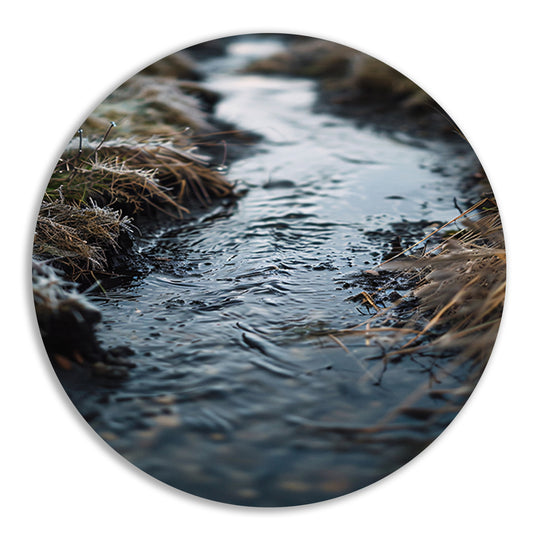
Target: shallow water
x,y
235,395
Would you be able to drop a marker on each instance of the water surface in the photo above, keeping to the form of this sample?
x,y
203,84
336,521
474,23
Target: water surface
x,y
235,395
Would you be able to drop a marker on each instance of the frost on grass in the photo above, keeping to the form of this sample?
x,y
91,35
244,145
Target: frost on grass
x,y
66,319
78,238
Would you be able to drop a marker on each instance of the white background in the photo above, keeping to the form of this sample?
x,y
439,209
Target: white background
x,y
60,59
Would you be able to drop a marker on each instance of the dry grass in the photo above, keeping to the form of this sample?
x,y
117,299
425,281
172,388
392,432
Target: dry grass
x,y
135,174
148,105
80,222
354,83
341,68
82,228
462,288
371,80
150,166
459,295
304,57
79,239
178,65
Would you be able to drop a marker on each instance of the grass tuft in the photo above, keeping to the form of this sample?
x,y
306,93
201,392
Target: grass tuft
x,y
453,312
81,222
462,288
134,174
79,239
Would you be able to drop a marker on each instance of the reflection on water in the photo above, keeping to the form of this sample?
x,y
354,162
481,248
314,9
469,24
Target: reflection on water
x,y
234,396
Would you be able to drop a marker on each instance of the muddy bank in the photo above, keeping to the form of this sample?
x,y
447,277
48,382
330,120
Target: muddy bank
x,y
67,322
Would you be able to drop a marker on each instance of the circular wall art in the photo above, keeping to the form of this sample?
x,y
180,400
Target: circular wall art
x,y
268,270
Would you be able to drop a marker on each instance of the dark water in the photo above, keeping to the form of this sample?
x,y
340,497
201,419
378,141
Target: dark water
x,y
234,396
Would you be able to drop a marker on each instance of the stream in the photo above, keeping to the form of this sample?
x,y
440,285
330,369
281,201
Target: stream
x,y
235,395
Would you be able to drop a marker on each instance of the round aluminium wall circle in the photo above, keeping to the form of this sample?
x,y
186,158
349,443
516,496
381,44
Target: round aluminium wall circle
x,y
268,270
